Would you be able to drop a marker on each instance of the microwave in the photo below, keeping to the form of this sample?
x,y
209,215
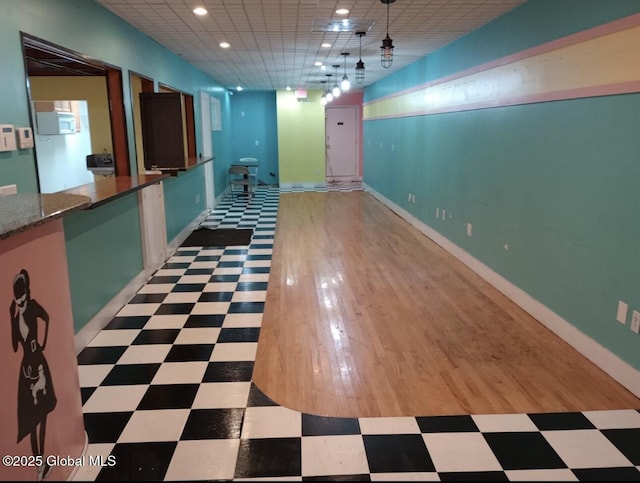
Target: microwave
x,y
56,122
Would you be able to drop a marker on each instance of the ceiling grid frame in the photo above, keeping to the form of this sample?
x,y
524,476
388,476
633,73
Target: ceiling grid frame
x,y
274,43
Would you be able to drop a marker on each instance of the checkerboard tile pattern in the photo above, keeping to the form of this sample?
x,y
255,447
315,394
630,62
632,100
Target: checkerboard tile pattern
x,y
167,390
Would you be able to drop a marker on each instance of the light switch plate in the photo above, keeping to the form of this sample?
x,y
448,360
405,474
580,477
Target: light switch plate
x,y
635,322
621,316
25,137
7,137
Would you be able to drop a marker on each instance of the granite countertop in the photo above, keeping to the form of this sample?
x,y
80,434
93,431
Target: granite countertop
x,y
110,188
22,211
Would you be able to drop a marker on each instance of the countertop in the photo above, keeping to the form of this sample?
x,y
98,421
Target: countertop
x,y
108,189
23,211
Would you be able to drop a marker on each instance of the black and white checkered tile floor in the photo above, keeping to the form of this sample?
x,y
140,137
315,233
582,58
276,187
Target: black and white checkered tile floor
x,y
167,390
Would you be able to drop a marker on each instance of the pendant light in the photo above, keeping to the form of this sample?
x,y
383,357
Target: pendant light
x,y
386,49
360,64
329,95
336,89
323,98
345,85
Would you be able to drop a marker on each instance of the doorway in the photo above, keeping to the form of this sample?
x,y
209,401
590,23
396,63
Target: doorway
x,y
49,63
138,83
342,141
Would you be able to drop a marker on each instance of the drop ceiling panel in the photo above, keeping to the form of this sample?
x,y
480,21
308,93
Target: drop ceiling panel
x,y
274,43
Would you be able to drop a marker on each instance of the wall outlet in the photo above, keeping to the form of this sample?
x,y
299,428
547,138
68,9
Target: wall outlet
x,y
197,198
409,200
469,229
444,214
413,198
635,322
621,315
437,212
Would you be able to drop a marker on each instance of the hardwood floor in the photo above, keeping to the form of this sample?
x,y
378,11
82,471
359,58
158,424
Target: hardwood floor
x,y
367,317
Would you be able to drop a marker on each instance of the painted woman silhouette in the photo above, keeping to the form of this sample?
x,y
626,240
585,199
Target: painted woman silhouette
x,y
36,397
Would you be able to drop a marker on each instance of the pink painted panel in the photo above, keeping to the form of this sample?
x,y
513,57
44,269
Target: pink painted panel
x,y
41,399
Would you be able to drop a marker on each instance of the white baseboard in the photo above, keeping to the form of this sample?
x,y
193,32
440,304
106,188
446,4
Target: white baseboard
x,y
302,185
618,369
182,236
106,314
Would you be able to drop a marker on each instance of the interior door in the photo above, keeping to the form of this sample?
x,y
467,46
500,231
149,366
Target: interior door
x,y
341,143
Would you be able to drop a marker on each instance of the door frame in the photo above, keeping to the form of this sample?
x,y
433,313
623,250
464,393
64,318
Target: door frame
x,y
358,142
74,62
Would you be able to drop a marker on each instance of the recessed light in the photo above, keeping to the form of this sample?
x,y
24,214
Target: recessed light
x,y
224,45
323,67
326,45
239,88
317,63
288,88
342,11
200,11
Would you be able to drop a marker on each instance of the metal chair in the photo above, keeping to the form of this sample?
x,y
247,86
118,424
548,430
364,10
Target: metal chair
x,y
240,177
252,164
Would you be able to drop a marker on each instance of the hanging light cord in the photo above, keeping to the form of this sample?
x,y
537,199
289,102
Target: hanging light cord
x,y
387,19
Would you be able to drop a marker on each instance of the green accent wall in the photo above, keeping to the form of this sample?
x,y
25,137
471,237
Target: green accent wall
x,y
301,139
103,254
549,188
183,200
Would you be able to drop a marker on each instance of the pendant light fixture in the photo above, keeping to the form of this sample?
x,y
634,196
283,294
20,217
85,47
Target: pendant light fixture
x,y
345,85
360,64
386,49
329,95
323,98
336,89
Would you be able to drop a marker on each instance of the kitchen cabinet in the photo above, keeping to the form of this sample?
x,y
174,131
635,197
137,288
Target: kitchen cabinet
x,y
59,106
49,106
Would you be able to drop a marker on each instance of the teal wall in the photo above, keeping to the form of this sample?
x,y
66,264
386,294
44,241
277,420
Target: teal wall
x,y
255,128
183,200
104,245
555,181
102,254
223,147
533,23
